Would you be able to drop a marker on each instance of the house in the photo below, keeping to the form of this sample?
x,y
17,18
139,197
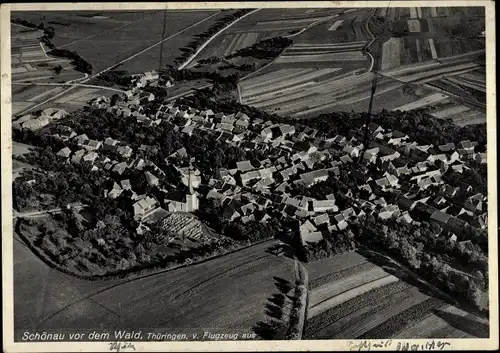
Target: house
x,y
324,206
480,158
448,147
475,203
53,113
77,156
90,157
81,139
389,211
352,151
125,184
311,178
244,166
341,221
110,143
119,168
67,134
405,218
144,206
64,153
397,137
151,179
440,217
125,151
115,191
92,145
321,219
309,233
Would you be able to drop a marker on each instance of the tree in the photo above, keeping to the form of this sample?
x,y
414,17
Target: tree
x,y
474,294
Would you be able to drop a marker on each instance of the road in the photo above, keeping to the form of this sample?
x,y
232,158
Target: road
x,y
36,214
117,63
69,84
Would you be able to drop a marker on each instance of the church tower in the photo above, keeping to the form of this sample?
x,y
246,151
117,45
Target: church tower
x,y
191,197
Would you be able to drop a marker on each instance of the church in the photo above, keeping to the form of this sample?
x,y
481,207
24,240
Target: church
x,y
179,202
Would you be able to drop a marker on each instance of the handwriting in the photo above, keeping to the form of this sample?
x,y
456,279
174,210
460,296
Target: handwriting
x,y
368,345
119,346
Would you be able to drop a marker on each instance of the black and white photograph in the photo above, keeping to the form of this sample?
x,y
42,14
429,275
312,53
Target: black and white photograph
x,y
249,173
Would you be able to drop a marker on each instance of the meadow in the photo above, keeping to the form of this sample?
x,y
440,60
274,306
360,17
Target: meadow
x,y
233,291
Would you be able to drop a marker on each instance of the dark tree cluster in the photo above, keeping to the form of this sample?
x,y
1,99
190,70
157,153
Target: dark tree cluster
x,y
76,60
265,49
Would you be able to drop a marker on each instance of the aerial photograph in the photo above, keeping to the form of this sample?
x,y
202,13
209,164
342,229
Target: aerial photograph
x,y
250,174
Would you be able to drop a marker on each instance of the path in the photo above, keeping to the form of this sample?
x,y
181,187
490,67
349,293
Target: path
x,y
35,214
69,84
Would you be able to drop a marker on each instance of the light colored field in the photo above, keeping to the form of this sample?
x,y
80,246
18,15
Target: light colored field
x,y
469,118
445,113
462,81
414,25
20,106
325,46
351,97
280,75
18,149
437,73
76,95
294,21
413,12
434,12
430,99
419,50
238,41
433,48
419,12
288,81
349,294
330,290
304,58
336,25
391,53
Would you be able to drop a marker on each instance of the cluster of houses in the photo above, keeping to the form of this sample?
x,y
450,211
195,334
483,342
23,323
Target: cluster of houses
x,y
32,122
297,157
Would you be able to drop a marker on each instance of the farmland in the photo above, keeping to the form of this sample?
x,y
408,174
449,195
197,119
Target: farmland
x,y
30,61
106,40
186,297
352,297
264,24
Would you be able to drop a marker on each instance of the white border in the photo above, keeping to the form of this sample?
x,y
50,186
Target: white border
x,y
319,345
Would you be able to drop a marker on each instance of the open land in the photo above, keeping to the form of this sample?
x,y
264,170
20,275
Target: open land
x,y
186,297
106,41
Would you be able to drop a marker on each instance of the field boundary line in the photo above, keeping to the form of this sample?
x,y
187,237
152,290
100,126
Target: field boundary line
x,y
203,46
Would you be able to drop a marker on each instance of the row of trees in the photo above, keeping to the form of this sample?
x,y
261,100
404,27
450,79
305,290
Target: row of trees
x,y
201,38
416,247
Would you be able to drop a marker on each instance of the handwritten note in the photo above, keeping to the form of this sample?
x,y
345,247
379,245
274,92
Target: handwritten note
x,y
368,345
121,346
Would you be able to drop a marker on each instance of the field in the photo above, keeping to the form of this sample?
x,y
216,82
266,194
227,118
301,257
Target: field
x,y
30,61
104,40
27,96
229,292
351,297
264,24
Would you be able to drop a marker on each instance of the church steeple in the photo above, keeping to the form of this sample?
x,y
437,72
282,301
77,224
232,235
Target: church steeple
x,y
190,182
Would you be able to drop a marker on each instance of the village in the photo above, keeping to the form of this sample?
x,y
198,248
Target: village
x,y
297,156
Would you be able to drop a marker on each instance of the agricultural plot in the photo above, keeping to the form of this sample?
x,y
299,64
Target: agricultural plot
x,y
119,35
186,297
352,298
